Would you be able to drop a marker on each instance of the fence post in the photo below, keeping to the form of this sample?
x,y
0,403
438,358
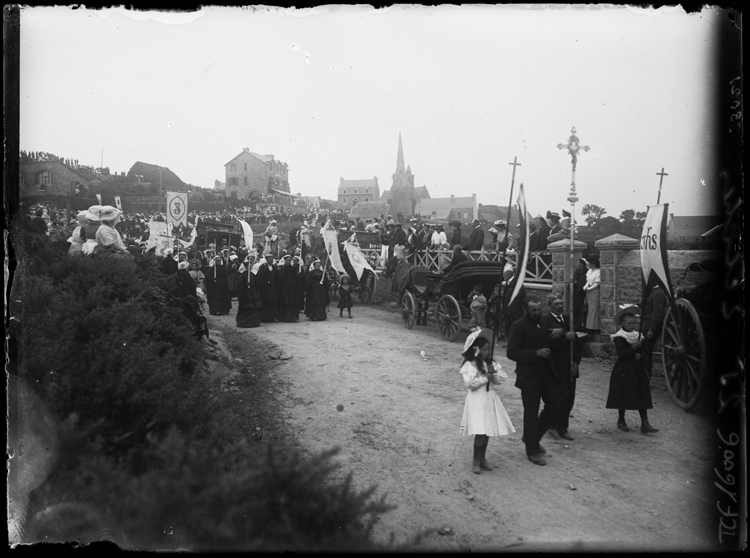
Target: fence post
x,y
612,249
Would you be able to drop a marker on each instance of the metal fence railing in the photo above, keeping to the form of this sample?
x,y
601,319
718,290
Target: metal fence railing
x,y
538,270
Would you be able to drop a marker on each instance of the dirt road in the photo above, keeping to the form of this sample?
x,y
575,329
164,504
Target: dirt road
x,y
399,429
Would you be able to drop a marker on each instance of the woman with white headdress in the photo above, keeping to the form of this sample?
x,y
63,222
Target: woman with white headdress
x,y
484,415
90,228
107,236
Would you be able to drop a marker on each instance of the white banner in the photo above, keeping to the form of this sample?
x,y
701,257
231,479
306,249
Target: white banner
x,y
248,234
118,202
331,239
523,257
654,247
357,259
177,208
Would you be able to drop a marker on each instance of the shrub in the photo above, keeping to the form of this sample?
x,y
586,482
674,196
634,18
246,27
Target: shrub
x,y
146,455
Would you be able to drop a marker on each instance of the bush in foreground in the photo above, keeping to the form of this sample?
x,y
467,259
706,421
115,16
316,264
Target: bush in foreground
x,y
146,458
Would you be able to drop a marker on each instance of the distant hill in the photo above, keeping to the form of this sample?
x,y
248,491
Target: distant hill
x,y
156,175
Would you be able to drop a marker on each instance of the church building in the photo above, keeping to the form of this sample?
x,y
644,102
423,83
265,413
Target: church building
x,y
402,196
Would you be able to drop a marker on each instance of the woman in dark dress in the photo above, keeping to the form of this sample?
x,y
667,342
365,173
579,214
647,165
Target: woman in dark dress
x,y
217,290
268,286
317,294
233,275
288,291
249,304
628,386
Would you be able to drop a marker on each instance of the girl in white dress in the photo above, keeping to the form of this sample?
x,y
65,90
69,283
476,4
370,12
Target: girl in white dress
x,y
484,414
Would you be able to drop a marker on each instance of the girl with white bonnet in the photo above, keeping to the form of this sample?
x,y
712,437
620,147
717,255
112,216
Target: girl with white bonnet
x,y
484,415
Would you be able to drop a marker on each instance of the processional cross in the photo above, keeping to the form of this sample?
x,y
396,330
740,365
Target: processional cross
x,y
662,174
573,147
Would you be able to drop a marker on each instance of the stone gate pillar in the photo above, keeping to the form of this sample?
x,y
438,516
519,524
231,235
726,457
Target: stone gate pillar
x,y
612,250
561,267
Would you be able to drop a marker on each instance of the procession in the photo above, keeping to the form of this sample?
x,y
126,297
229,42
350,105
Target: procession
x,y
463,291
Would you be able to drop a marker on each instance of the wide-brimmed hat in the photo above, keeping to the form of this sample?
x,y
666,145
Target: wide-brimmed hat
x,y
476,334
493,230
391,223
269,255
553,215
624,309
182,265
107,213
500,223
92,213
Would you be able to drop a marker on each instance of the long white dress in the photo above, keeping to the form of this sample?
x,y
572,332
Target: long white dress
x,y
483,411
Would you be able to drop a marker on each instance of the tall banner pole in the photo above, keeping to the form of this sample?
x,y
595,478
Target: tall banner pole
x,y
499,303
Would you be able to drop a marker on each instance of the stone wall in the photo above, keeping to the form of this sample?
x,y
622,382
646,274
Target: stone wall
x,y
622,276
62,179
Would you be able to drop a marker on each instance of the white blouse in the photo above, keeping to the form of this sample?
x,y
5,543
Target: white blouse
x,y
593,278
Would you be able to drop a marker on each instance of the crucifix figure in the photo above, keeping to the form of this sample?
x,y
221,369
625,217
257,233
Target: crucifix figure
x,y
662,174
573,146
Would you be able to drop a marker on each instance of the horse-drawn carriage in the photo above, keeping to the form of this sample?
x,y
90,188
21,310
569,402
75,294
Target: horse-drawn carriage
x,y
422,292
689,342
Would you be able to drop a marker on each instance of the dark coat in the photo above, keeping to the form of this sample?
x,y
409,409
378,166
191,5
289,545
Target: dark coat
x,y
249,304
457,259
628,385
654,312
217,291
399,237
168,265
268,287
525,338
288,293
476,239
561,346
455,238
317,295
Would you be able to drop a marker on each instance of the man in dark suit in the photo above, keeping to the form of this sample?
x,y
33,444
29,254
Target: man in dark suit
x,y
529,347
557,325
476,238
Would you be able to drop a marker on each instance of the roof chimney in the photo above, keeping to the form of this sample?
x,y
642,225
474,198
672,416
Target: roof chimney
x,y
341,180
246,149
453,198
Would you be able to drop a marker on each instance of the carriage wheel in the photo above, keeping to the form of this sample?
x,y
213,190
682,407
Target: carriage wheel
x,y
684,354
408,309
448,317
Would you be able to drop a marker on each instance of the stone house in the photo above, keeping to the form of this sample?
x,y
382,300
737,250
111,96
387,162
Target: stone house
x,y
250,174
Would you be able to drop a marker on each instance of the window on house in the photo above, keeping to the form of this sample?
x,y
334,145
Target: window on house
x,y
355,190
233,194
434,213
233,167
233,181
43,177
458,215
246,181
343,191
367,191
245,166
344,201
367,199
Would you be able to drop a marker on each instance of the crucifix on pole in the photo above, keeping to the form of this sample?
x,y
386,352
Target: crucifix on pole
x,y
573,146
662,174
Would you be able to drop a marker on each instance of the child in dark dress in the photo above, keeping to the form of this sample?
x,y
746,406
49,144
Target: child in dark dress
x,y
345,296
628,386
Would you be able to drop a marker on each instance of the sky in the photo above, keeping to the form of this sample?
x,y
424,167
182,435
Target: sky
x,y
328,90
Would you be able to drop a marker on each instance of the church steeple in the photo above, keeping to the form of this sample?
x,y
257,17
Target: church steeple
x,y
400,157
